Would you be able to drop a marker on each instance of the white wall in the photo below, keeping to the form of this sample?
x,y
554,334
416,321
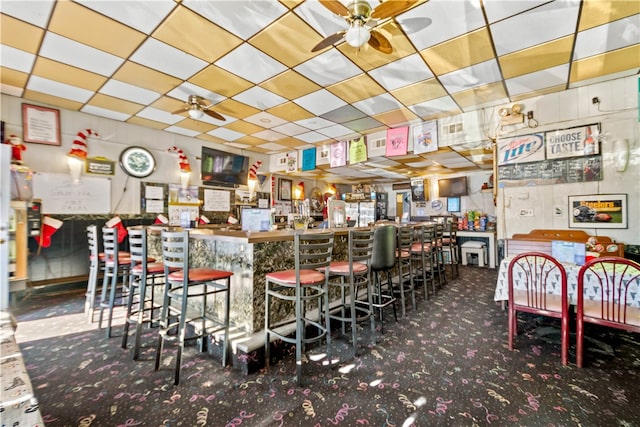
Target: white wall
x,y
114,137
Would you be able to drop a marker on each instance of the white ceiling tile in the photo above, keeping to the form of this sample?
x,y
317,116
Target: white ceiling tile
x,y
34,12
273,147
11,90
500,9
142,15
226,134
539,80
259,98
337,132
442,27
403,72
58,89
162,57
265,120
241,17
552,21
182,131
605,38
79,55
159,115
320,18
290,129
103,112
320,102
250,63
186,89
378,104
434,106
311,137
314,123
16,59
129,92
328,68
208,119
269,135
470,77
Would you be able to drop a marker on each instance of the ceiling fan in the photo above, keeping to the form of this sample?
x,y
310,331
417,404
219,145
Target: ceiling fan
x,y
358,13
197,106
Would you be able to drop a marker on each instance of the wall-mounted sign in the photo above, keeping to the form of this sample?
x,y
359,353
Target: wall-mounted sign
x,y
573,142
100,166
521,149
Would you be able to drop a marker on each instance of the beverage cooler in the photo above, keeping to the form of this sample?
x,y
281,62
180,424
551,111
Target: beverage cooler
x,y
361,207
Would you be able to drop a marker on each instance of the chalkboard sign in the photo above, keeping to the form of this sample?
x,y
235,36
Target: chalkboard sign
x,y
61,195
549,172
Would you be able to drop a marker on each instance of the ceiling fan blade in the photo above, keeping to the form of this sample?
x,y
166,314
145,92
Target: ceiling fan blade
x,y
202,101
332,39
215,115
335,7
182,110
380,42
389,8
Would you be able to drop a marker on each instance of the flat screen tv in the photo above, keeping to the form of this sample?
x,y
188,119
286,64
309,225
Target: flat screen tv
x,y
222,168
452,187
453,204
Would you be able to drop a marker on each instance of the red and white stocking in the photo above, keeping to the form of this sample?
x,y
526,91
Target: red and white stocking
x,y
116,222
162,220
49,227
203,220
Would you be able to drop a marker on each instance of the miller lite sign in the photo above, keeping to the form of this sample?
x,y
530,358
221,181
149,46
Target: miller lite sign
x,y
520,149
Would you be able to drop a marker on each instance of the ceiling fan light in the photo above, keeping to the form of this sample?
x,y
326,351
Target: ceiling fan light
x,y
357,35
195,113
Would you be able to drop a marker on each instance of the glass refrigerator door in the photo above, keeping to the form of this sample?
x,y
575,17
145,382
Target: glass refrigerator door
x,y
367,214
352,213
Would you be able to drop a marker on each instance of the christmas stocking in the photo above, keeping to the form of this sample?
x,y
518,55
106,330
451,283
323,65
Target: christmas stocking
x,y
49,227
203,220
116,222
161,219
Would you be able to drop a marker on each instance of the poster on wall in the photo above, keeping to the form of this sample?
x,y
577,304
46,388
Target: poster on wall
x,y
573,142
425,137
598,211
309,159
520,149
357,151
338,154
397,141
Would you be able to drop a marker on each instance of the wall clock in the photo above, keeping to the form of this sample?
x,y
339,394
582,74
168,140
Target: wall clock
x,y
137,162
436,205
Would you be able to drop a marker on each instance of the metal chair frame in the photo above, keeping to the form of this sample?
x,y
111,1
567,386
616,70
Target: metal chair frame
x,y
116,265
403,261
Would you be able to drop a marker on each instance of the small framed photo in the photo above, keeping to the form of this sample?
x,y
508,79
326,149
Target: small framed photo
x,y
598,211
40,125
284,189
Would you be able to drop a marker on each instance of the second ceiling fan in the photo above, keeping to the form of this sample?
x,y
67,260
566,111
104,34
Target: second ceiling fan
x,y
358,13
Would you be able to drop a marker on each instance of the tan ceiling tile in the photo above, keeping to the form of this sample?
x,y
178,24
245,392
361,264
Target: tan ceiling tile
x,y
288,40
234,108
244,127
356,88
211,138
114,104
13,77
83,25
64,73
52,100
251,140
598,12
460,52
480,95
167,103
293,143
19,34
146,123
392,118
368,58
607,63
220,81
290,111
291,4
419,92
536,58
195,125
139,75
540,92
290,85
190,32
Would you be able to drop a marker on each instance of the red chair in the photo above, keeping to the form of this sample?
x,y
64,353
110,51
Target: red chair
x,y
601,278
532,277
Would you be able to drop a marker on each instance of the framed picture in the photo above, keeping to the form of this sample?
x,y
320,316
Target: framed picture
x,y
40,125
284,189
598,211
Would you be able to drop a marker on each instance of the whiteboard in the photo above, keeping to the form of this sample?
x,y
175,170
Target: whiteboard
x,y
60,195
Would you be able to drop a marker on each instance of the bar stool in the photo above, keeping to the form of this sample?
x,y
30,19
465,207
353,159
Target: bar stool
x,y
186,289
450,246
144,272
403,261
116,265
95,265
307,282
351,277
383,260
438,247
423,257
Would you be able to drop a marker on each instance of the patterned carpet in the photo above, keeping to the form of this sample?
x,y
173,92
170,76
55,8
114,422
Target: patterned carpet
x,y
446,364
